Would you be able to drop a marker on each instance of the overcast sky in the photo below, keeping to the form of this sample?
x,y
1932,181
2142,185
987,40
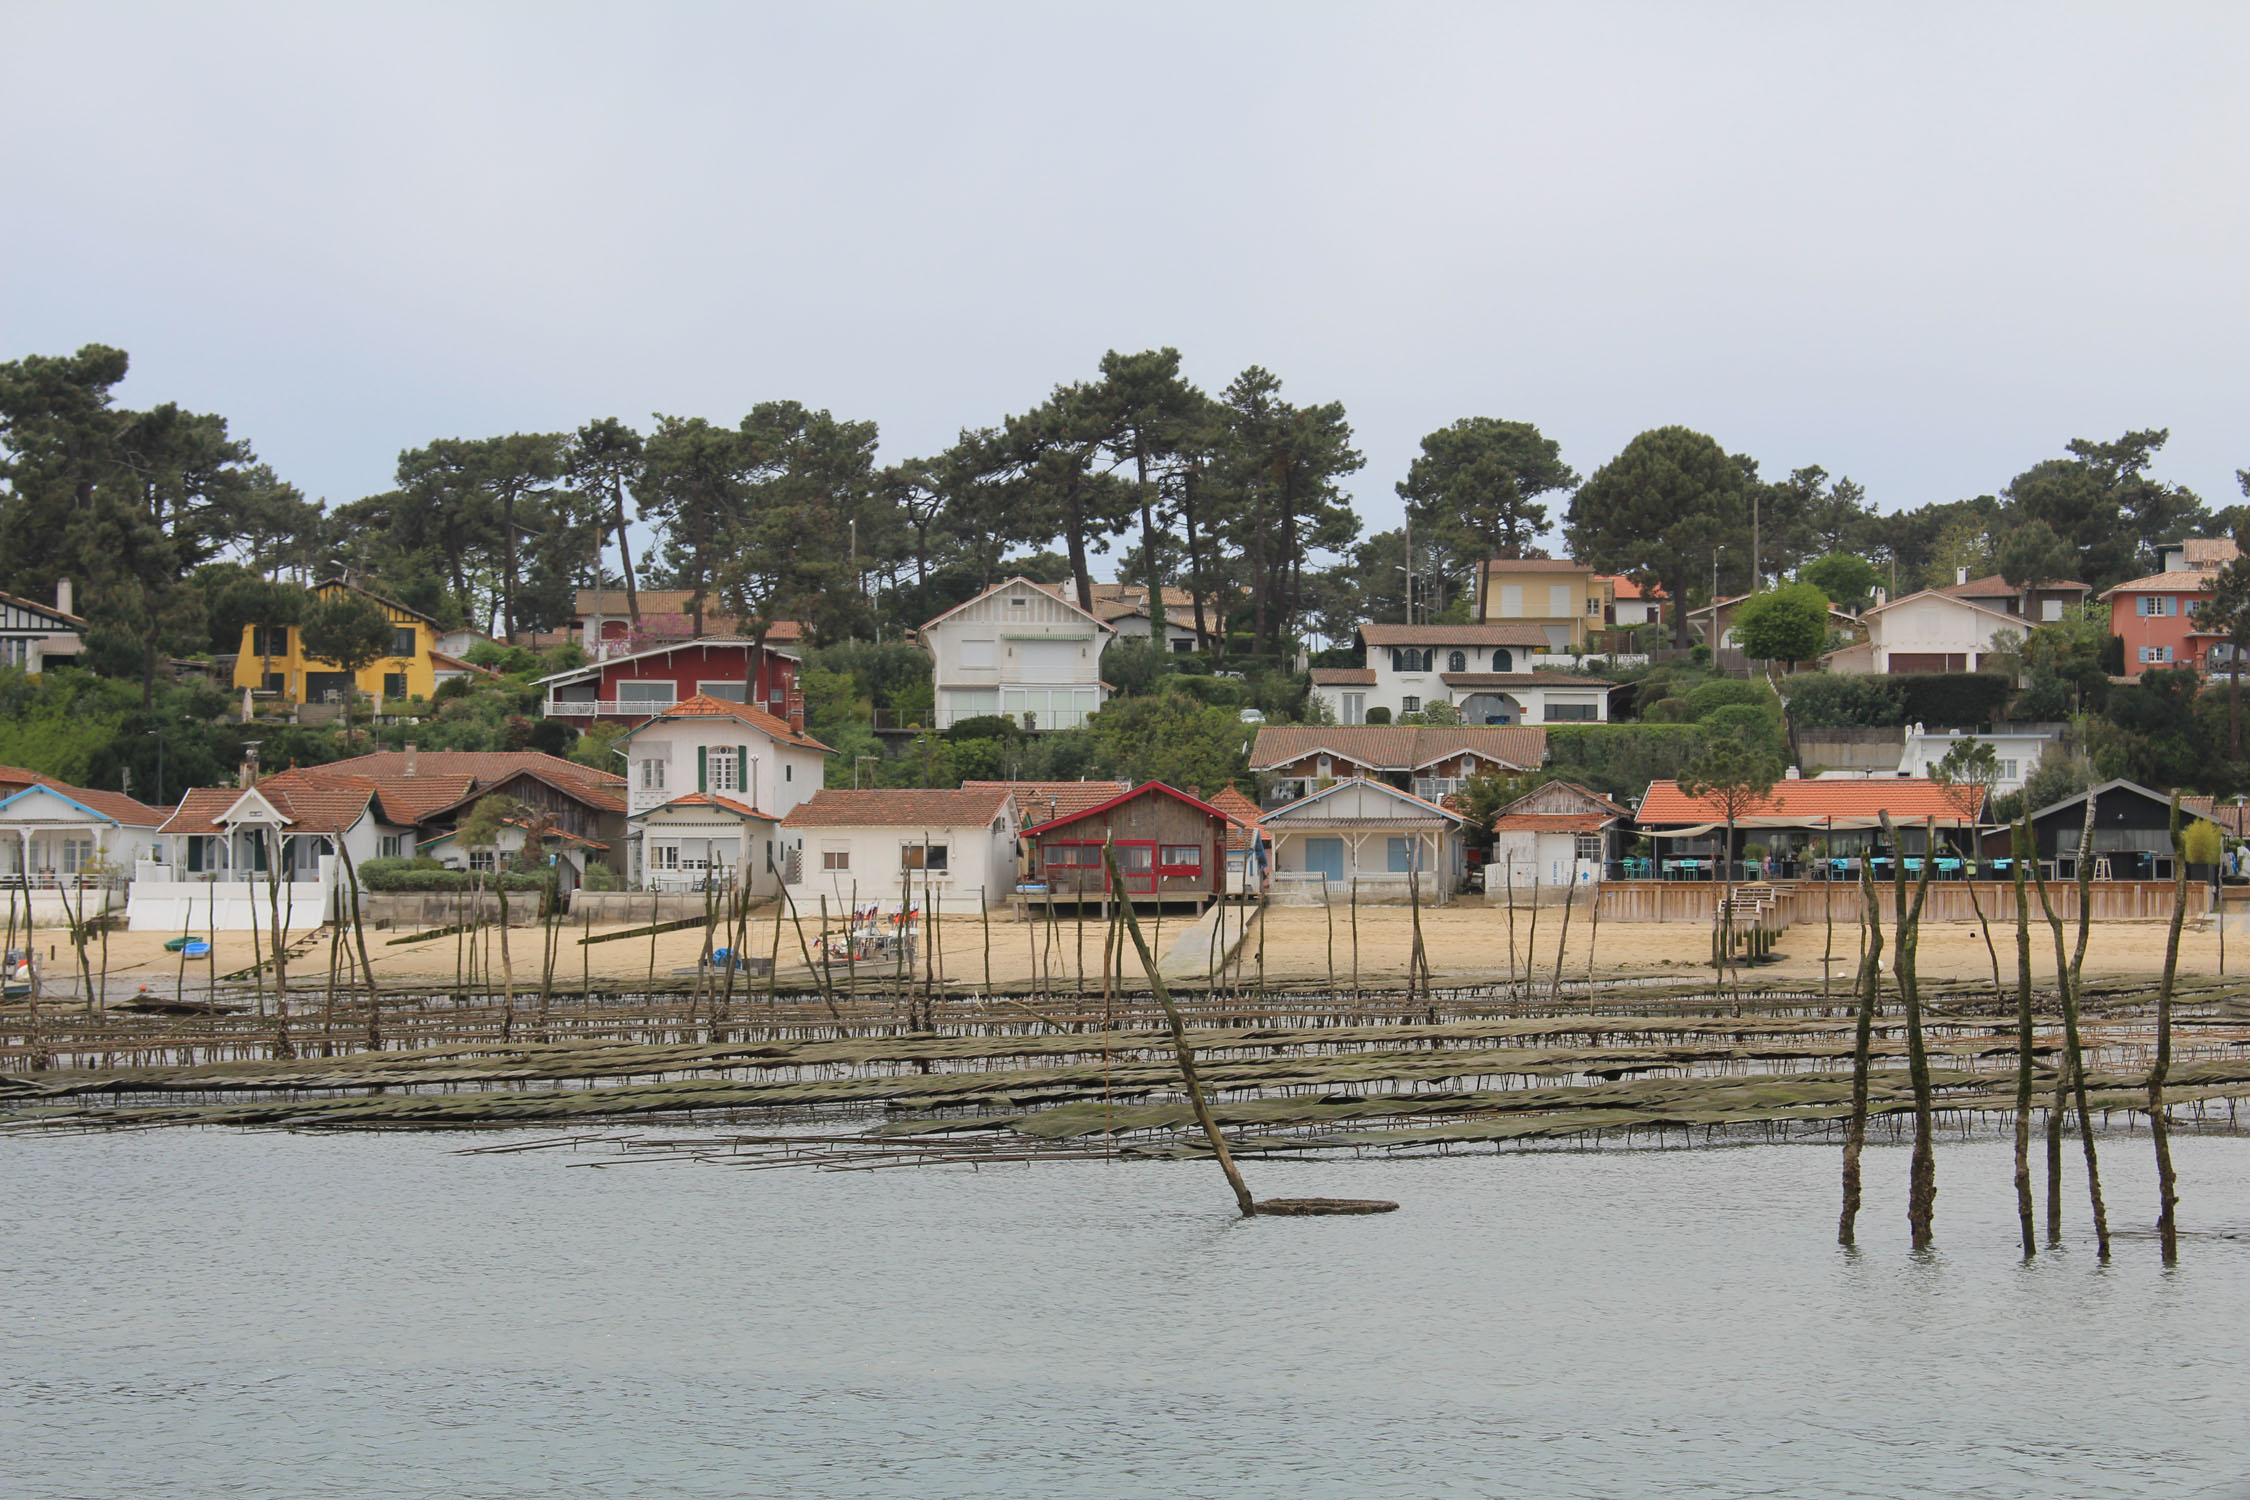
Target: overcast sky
x,y
1923,246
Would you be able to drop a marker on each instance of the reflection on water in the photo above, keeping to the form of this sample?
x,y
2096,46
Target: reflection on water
x,y
263,1314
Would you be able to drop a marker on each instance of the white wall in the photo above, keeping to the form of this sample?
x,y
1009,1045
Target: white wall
x,y
1932,623
981,867
783,774
1011,651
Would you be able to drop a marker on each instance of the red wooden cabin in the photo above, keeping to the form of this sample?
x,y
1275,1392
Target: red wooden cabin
x,y
1170,847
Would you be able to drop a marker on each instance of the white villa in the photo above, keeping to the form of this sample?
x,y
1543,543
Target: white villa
x,y
2017,751
230,859
1017,649
1364,840
707,783
1482,670
894,847
66,850
1928,631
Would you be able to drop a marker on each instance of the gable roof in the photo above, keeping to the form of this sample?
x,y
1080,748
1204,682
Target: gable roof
x,y
1145,789
307,805
1534,565
1908,799
1454,635
1623,587
2178,581
1993,586
703,706
33,606
114,807
1944,596
897,807
1399,747
1007,583
1052,799
709,799
2194,806
387,603
1585,793
1287,811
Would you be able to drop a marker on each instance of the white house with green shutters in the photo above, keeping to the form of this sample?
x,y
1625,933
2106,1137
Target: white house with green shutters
x,y
1016,649
706,784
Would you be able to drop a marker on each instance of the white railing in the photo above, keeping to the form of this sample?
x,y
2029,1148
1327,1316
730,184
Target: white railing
x,y
564,708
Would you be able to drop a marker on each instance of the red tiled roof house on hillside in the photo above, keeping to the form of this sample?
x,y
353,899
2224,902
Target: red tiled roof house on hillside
x,y
639,686
1170,847
239,856
896,847
2155,616
709,783
1808,830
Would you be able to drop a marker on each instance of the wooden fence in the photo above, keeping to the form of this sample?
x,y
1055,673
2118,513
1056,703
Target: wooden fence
x,y
1810,901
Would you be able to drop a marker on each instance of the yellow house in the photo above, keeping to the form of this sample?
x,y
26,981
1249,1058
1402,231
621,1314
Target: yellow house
x,y
1562,598
272,659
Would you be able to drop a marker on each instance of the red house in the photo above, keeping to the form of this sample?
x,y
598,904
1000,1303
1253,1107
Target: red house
x,y
2155,616
643,684
1169,847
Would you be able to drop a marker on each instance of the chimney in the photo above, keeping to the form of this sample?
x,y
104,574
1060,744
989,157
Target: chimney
x,y
62,596
1960,575
413,761
1882,596
1792,774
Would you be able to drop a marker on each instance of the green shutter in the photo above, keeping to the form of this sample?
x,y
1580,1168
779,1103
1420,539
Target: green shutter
x,y
742,771
194,854
702,769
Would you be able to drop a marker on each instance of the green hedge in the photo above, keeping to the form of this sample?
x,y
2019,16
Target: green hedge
x,y
1620,760
1953,700
429,875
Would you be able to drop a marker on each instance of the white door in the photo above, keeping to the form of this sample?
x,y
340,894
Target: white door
x,y
1047,661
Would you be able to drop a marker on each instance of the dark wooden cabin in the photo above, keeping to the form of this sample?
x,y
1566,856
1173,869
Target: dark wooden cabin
x,y
2132,837
1170,847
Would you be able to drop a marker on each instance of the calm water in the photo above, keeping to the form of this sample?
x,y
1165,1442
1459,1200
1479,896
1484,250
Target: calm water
x,y
213,1314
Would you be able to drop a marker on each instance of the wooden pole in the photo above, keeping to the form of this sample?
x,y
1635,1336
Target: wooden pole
x,y
2022,848
1921,1195
1186,1055
2159,1126
1868,991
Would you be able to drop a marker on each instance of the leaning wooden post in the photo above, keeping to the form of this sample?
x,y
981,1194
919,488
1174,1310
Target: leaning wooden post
x,y
1921,1194
2022,848
1562,944
2159,1127
2073,994
1180,1046
1868,990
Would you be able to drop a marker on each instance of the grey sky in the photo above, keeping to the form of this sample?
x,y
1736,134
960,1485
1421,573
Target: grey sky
x,y
1923,246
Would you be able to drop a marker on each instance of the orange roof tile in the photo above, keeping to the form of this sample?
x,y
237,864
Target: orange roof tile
x,y
713,799
897,807
1040,801
704,706
1908,799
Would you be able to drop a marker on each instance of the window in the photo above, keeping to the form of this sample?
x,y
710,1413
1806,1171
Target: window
x,y
1558,599
402,641
979,654
394,684
1133,859
1181,859
2155,654
2152,605
1409,704
664,856
2007,770
482,859
393,845
1564,713
656,694
1324,768
930,857
1019,602
1503,661
1355,708
1402,852
788,773
729,691
1457,662
274,681
722,770
652,776
835,859
1408,659
1070,856
1593,605
2050,609
1589,847
269,640
1182,644
1511,601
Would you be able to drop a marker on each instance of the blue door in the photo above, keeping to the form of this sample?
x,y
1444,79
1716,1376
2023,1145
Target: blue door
x,y
1325,857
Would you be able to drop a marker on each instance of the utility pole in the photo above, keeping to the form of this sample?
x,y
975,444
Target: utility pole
x,y
1757,558
1410,567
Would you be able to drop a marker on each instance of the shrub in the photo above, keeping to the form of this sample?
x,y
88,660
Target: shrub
x,y
424,874
1668,711
985,727
1378,715
1833,700
1622,759
1952,700
1722,691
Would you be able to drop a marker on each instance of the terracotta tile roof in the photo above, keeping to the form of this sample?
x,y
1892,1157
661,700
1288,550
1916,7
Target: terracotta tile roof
x,y
445,779
712,799
1621,587
484,765
2209,551
1534,565
1454,635
1236,806
1908,799
890,807
115,806
1520,679
1996,587
1399,747
1145,789
703,706
2178,581
1343,676
403,800
1615,809
311,806
1039,801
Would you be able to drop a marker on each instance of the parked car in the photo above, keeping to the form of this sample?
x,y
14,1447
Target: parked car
x,y
1251,716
